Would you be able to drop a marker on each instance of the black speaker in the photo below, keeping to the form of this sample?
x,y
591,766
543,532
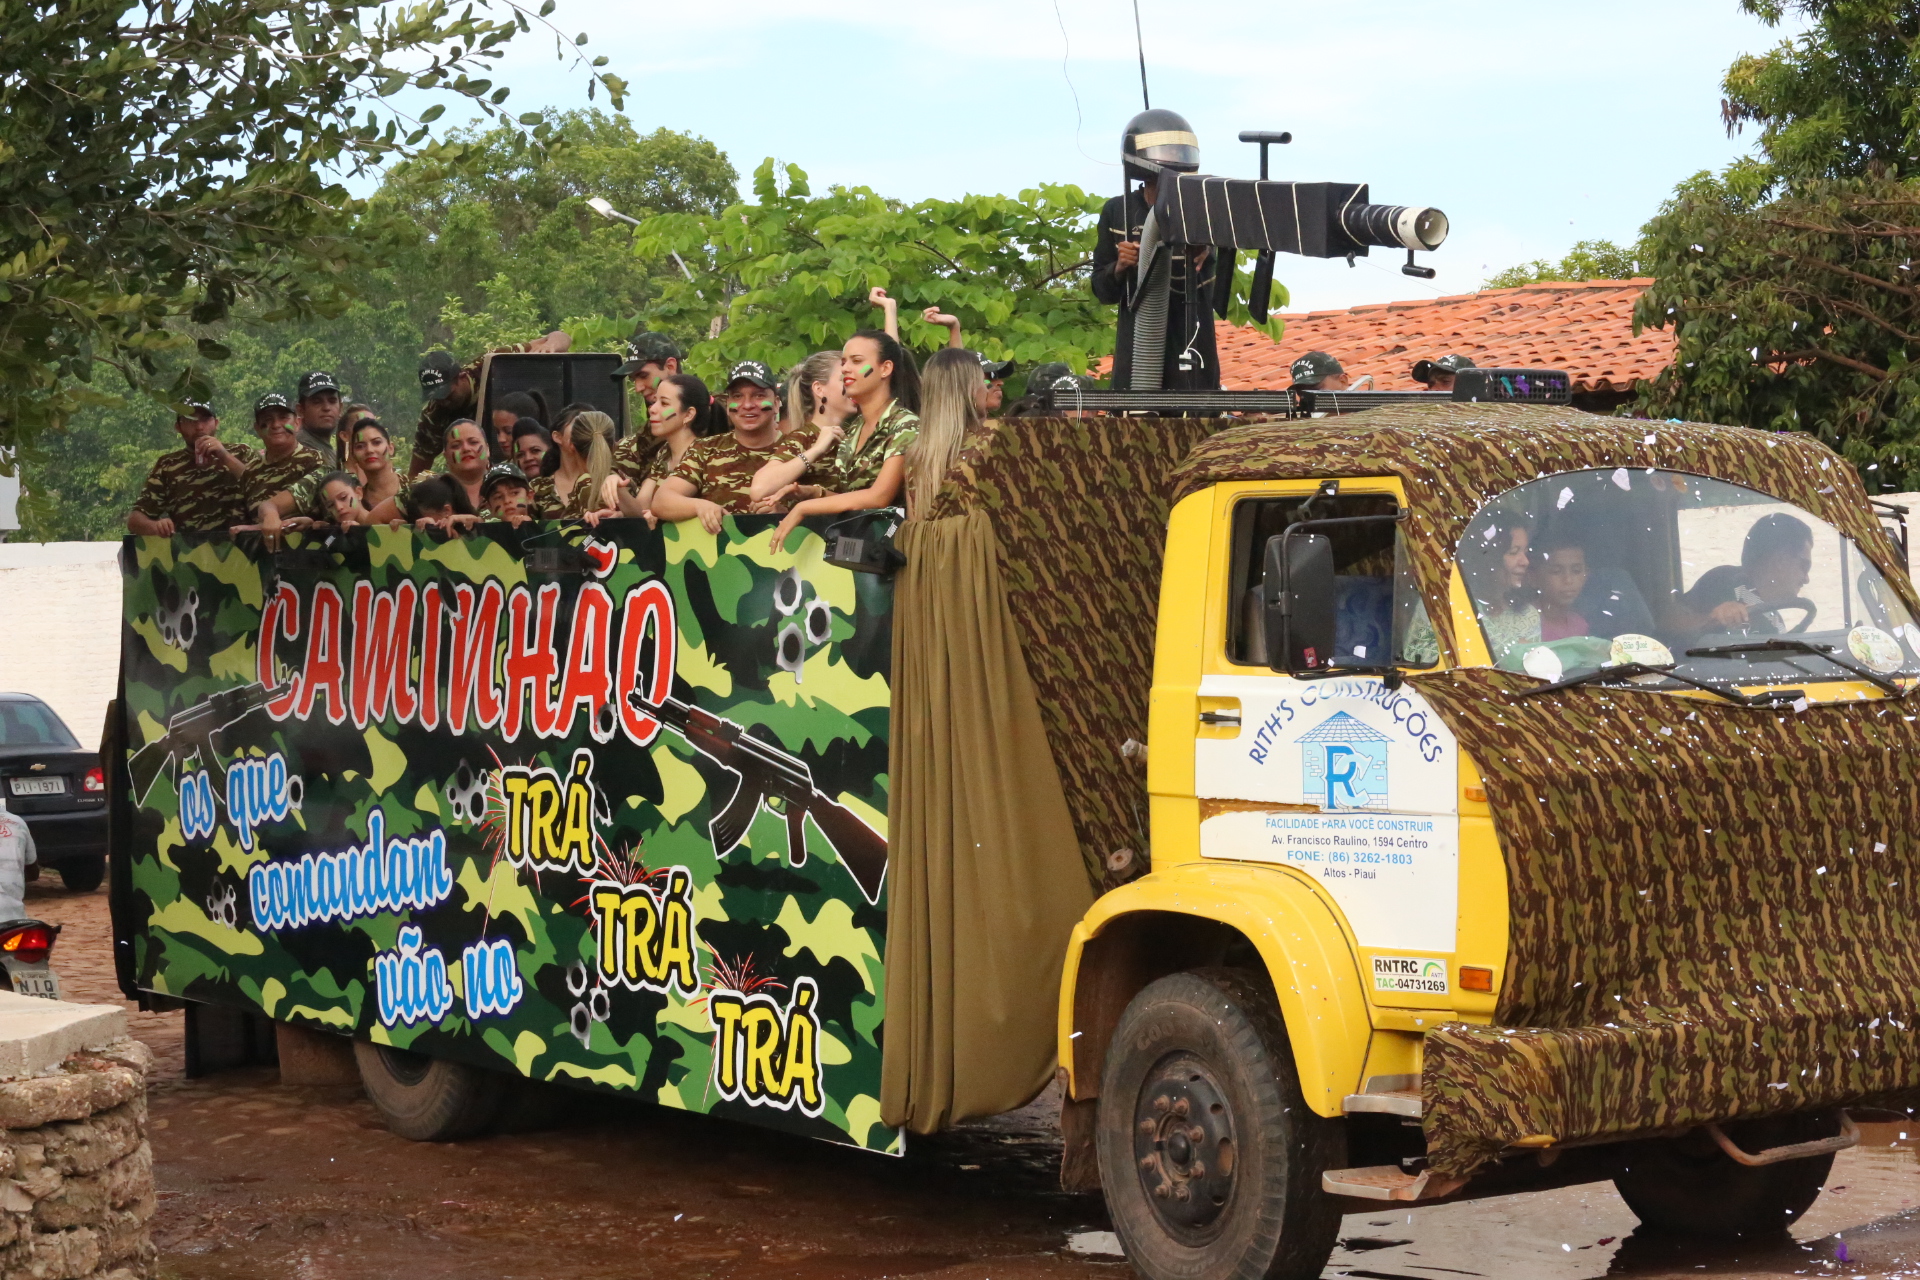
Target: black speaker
x,y
586,376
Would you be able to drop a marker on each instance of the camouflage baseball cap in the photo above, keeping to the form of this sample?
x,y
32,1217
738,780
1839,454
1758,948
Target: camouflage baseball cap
x,y
438,372
752,371
997,370
1313,368
201,409
501,473
646,347
1044,376
1428,370
313,384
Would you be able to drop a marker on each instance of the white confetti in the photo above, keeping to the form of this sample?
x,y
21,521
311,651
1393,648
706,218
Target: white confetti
x,y
1621,479
1566,496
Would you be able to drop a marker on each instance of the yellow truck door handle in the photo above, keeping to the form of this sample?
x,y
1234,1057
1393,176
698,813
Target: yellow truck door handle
x,y
1219,717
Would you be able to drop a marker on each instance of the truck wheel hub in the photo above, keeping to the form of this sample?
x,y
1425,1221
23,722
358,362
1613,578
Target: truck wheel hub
x,y
1183,1144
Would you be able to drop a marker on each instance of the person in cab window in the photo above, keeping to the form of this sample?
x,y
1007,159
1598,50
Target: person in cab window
x,y
1558,569
1504,596
868,470
1776,561
679,416
716,475
283,461
817,402
577,489
197,487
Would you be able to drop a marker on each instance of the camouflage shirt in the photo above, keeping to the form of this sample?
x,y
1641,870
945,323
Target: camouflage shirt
x,y
637,456
544,502
193,496
430,436
853,466
721,469
265,477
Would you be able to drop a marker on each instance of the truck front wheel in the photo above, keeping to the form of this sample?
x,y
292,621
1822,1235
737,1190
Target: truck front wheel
x,y
1689,1186
1209,1158
428,1099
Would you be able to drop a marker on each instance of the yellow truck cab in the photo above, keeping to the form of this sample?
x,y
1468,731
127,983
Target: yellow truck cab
x,y
1531,803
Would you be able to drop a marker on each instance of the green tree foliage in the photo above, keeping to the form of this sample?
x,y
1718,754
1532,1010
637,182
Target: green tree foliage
x,y
788,273
1788,278
496,204
484,239
1587,260
164,161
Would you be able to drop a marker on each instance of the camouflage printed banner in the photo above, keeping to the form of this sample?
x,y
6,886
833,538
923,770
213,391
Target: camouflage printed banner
x,y
599,807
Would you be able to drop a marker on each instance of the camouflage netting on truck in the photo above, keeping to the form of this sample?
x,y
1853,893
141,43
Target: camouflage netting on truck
x,y
1080,517
1711,905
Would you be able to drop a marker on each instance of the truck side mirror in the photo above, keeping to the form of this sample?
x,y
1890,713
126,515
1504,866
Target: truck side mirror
x,y
1296,593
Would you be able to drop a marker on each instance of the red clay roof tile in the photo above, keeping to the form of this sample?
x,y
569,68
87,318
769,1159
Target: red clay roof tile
x,y
1584,327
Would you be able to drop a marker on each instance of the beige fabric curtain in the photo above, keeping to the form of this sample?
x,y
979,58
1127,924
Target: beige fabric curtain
x,y
986,876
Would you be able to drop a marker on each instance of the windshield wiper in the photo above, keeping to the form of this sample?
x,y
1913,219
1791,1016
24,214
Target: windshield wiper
x,y
1800,646
1628,670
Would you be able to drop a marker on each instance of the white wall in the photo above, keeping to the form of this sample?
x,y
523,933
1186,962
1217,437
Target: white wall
x,y
60,628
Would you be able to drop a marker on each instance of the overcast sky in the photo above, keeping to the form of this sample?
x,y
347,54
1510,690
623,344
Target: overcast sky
x,y
1532,125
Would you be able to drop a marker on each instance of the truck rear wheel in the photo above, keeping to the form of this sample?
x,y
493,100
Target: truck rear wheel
x,y
428,1099
1689,1186
1209,1158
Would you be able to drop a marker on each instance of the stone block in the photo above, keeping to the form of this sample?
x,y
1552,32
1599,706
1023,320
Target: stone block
x,y
311,1057
36,1036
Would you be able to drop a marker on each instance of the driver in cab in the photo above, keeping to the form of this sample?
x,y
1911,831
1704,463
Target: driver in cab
x,y
1776,560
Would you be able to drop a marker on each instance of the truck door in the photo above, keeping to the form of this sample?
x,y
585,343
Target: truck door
x,y
1349,779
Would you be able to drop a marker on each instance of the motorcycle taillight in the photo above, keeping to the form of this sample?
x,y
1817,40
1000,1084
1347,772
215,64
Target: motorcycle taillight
x,y
29,944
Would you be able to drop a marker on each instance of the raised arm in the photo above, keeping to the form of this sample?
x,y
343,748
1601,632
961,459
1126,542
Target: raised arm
x,y
884,490
934,315
878,297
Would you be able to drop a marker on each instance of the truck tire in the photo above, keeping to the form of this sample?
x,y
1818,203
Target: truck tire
x,y
1209,1158
428,1099
84,876
1689,1186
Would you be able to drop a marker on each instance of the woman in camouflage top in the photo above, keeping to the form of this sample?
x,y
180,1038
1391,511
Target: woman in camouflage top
x,y
680,413
577,488
869,469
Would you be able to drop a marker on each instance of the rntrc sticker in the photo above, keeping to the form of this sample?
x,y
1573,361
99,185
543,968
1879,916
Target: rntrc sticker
x,y
1410,973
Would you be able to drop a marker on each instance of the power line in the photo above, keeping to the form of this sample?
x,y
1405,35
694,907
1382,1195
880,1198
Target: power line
x,y
1140,43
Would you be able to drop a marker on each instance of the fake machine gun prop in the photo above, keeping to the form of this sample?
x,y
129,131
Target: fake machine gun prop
x,y
193,732
765,773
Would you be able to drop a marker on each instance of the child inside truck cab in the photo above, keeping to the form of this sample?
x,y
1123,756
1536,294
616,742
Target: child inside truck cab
x,y
1558,572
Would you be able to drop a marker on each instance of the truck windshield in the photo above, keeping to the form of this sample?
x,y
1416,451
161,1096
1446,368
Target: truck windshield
x,y
1573,572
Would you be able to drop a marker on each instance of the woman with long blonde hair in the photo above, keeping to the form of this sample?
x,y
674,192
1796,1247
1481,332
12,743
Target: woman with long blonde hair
x,y
816,399
576,488
953,398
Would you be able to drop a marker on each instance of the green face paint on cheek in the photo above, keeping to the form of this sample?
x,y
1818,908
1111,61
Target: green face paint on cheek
x,y
865,369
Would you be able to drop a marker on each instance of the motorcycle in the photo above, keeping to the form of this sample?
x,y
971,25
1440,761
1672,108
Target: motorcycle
x,y
26,947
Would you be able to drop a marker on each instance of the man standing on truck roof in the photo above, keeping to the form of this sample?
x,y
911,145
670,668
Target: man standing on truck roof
x,y
196,487
319,413
1157,141
452,392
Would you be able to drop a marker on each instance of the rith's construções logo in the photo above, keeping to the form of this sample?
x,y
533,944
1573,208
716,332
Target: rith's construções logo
x,y
1343,765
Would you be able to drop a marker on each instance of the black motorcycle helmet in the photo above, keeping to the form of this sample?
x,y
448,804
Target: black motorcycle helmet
x,y
1156,141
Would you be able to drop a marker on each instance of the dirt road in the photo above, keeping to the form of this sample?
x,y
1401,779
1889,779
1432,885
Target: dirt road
x,y
257,1179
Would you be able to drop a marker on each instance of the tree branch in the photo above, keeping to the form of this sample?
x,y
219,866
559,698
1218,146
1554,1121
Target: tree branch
x,y
1821,353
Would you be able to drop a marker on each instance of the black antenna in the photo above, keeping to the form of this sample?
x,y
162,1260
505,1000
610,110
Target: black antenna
x,y
1141,45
